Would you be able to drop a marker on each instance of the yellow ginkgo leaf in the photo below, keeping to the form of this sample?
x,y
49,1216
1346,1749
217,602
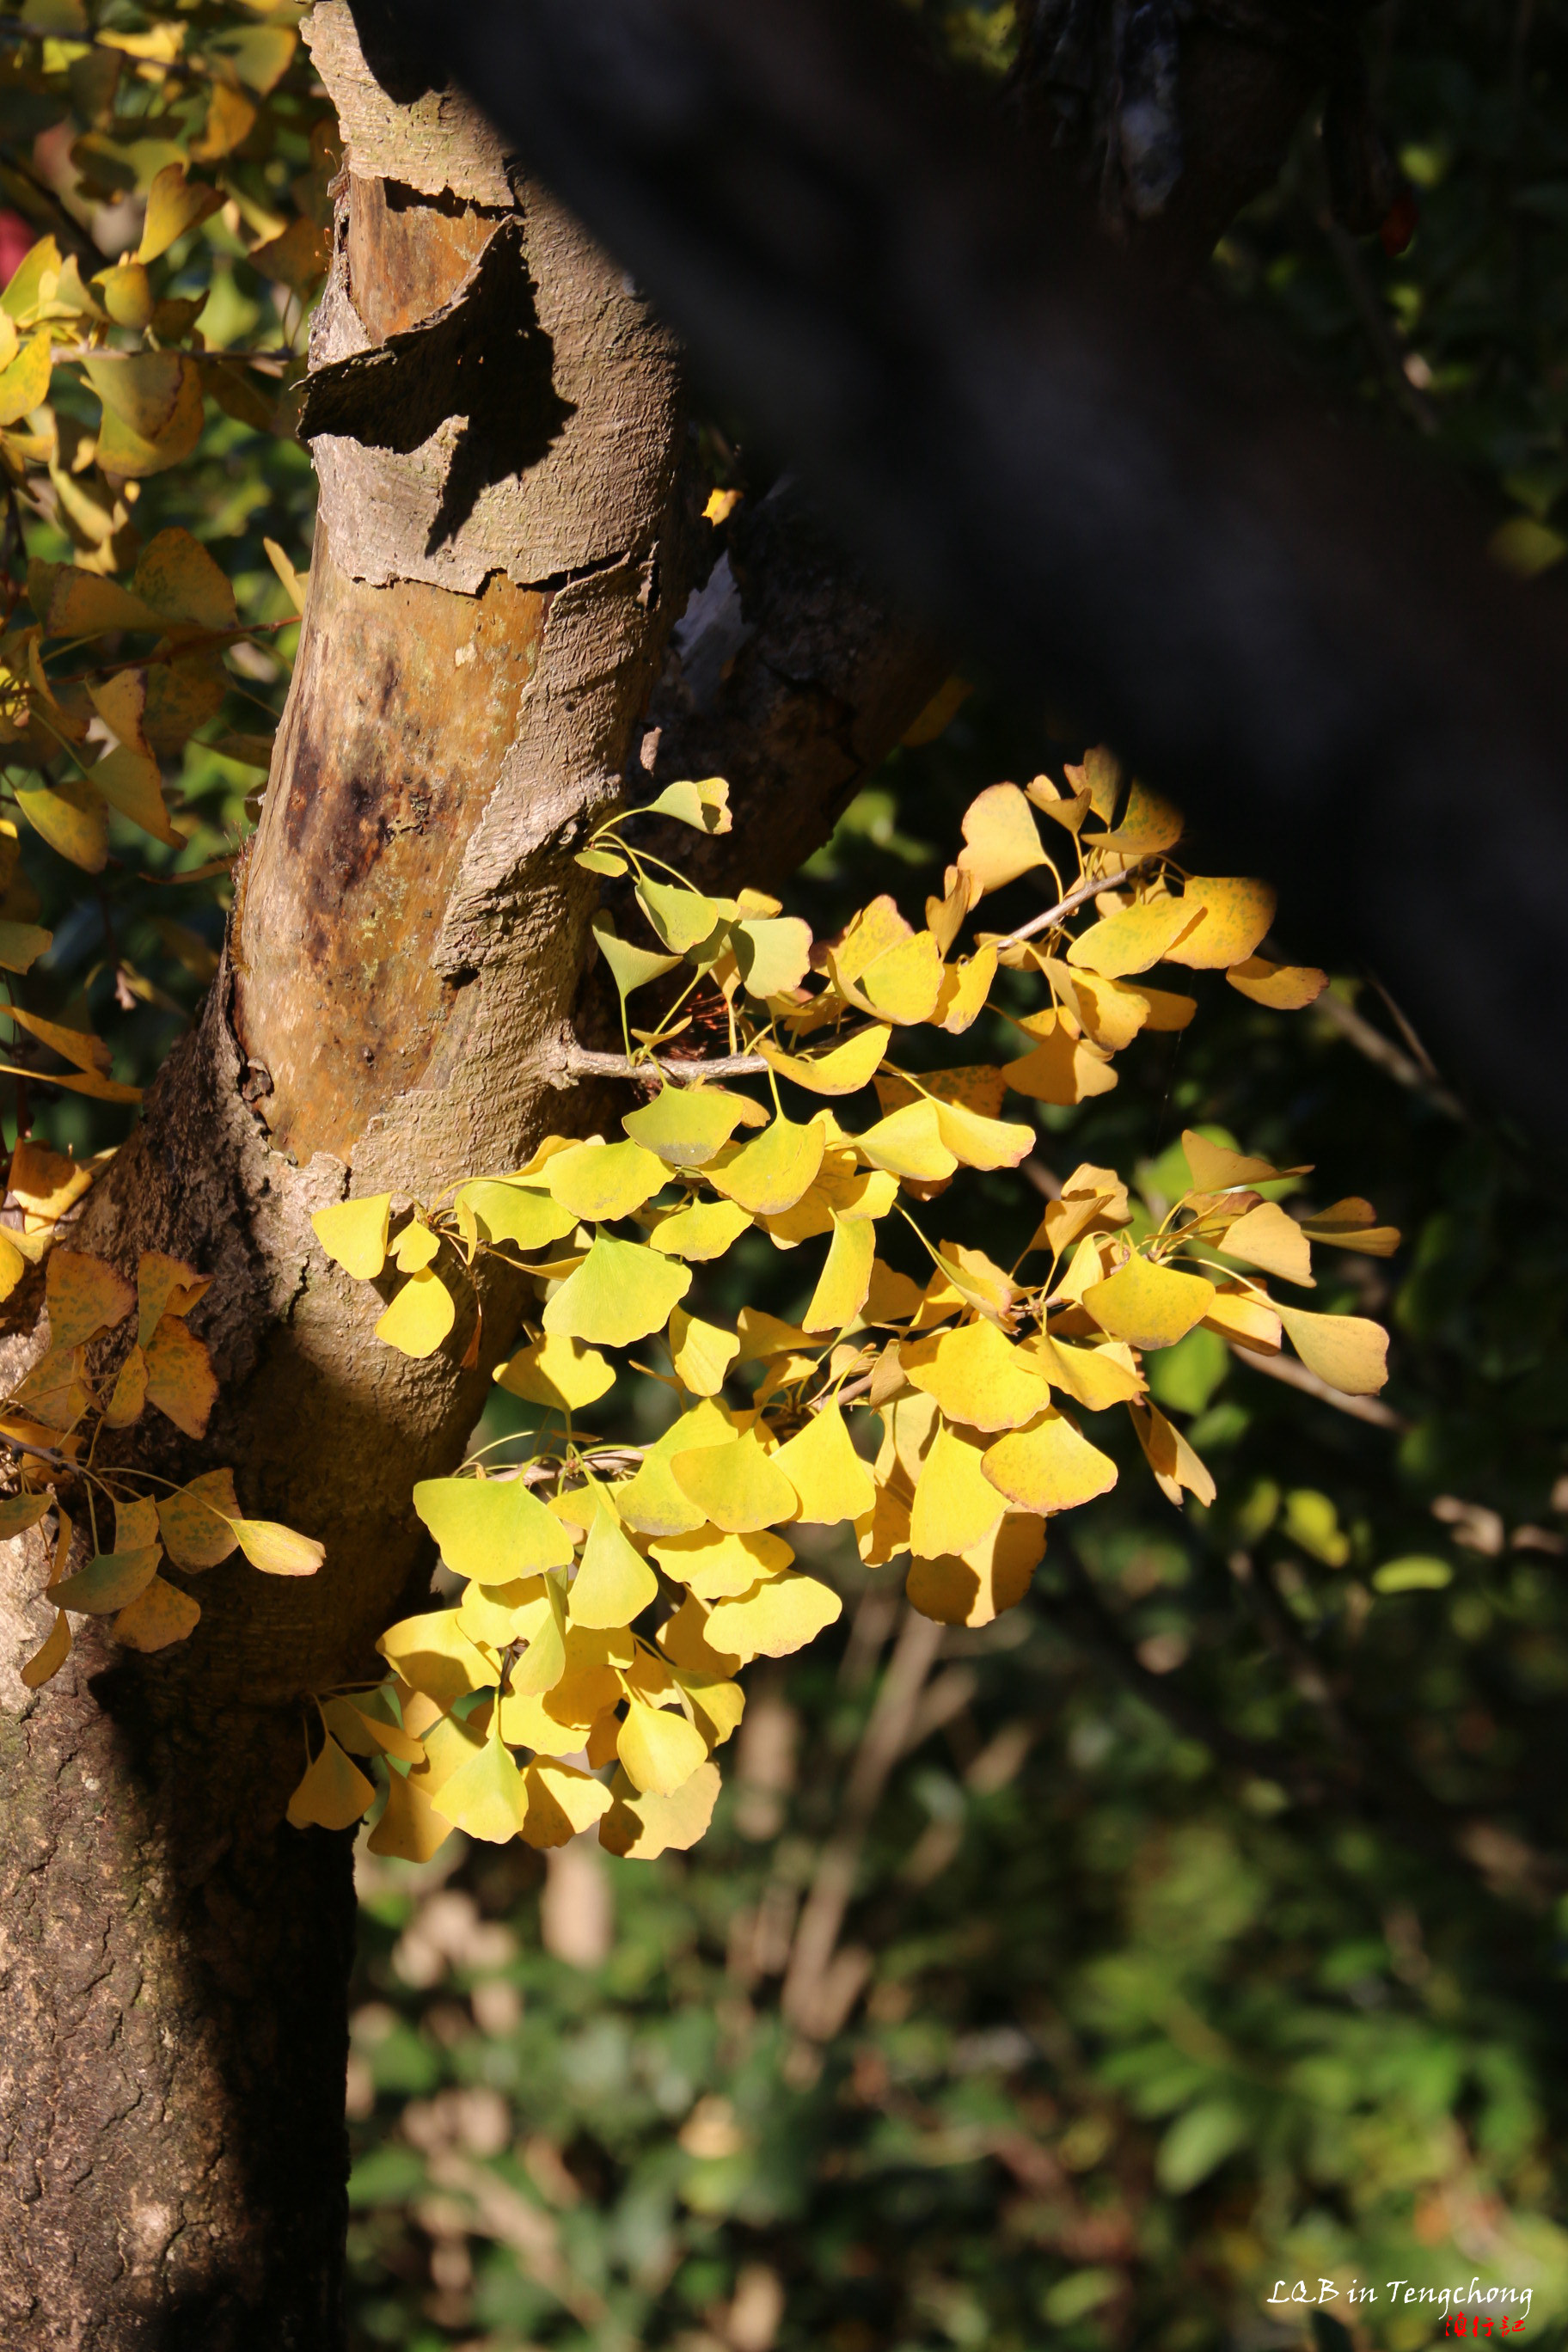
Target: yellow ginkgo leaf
x,y
843,1071
357,1726
85,1296
1134,940
652,1502
410,1829
717,1565
278,1550
544,1664
47,1661
1346,1350
1063,1068
415,1248
1151,1305
965,986
1352,1226
909,1142
1266,1237
682,918
955,1504
1001,841
977,1377
605,1180
639,1827
1094,1377
717,1707
495,1615
562,1803
1233,916
333,1794
520,1213
1170,1458
160,1616
659,1749
687,1125
830,1480
770,1173
773,953
779,1615
738,1487
485,1797
1283,987
846,1276
978,1142
420,1317
704,1231
175,204
1049,1467
562,1374
1216,1167
491,1529
615,1582
1106,1010
110,1580
620,1292
433,1654
975,1587
1149,824
1246,1318
702,1352
180,1378
534,1719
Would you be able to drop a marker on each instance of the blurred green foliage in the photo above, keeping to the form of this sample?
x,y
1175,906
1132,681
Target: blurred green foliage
x,y
1212,1929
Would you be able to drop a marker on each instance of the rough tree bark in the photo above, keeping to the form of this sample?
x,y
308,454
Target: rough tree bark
x,y
492,582
498,425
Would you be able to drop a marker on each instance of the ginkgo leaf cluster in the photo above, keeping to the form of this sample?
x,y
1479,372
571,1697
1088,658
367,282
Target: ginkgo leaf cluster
x,y
613,1594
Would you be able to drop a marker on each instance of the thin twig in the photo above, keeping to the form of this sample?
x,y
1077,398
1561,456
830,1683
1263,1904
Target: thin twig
x,y
1392,1059
1297,1376
1076,898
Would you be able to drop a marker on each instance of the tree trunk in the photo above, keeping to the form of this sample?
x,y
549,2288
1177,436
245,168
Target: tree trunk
x,y
491,586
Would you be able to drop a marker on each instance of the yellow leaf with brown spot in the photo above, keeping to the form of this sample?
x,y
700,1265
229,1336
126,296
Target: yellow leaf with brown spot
x,y
180,1378
165,1286
420,1317
955,1504
1149,824
1170,1458
563,1375
334,1793
1049,1467
1234,915
1133,939
977,1377
639,1827
85,1296
353,1233
779,1615
47,1661
1266,1237
160,1616
110,1580
1001,840
830,1480
974,1588
1283,987
737,1486
1150,1305
1346,1350
196,1520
